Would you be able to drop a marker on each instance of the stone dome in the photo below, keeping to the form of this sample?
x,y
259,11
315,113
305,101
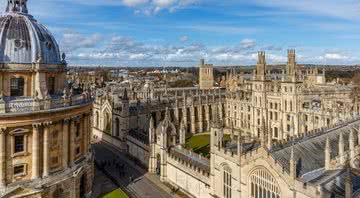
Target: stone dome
x,y
23,40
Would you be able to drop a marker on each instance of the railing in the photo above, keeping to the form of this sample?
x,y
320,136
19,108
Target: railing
x,y
30,104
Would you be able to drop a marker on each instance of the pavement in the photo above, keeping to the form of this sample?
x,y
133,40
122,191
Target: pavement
x,y
135,181
102,184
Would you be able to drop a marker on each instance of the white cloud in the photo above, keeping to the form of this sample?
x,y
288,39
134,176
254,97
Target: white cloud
x,y
126,51
151,7
334,56
248,43
72,41
134,3
346,9
184,39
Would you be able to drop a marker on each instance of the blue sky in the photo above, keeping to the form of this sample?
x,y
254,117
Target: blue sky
x,y
180,32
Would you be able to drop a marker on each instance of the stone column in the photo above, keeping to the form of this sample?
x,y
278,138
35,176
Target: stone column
x,y
1,84
82,132
193,122
86,133
65,144
207,117
2,157
72,141
201,117
46,152
35,152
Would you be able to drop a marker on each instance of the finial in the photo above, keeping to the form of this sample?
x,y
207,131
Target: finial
x,y
125,96
16,6
63,57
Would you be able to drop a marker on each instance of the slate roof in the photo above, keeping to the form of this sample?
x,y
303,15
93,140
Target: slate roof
x,y
193,158
310,151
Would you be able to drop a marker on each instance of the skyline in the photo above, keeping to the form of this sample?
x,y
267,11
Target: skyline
x,y
180,32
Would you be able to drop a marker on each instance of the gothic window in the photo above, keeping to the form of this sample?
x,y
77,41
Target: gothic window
x,y
263,185
276,132
227,182
17,87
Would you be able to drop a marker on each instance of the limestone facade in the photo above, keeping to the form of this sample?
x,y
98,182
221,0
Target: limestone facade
x,y
45,125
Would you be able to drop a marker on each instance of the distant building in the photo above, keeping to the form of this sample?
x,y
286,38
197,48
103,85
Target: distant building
x,y
206,72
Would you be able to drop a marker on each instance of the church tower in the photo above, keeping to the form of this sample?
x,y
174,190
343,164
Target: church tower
x,y
206,75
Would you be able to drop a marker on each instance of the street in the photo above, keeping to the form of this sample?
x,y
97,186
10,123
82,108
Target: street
x,y
131,179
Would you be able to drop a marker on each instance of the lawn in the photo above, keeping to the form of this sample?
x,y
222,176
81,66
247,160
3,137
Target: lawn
x,y
118,193
201,144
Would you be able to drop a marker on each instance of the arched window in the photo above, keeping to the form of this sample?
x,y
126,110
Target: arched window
x,y
227,182
107,123
263,184
17,86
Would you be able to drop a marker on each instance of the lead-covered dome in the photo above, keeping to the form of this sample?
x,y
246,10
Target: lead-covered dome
x,y
23,40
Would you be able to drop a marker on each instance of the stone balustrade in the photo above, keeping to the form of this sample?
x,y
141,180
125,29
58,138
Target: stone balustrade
x,y
31,104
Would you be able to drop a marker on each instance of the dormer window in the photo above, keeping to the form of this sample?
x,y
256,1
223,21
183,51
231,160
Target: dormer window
x,y
49,45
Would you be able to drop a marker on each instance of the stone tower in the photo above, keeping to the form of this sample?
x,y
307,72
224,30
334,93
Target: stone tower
x,y
291,66
260,71
206,78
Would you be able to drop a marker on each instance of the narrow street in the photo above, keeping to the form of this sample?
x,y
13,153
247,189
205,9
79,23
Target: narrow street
x,y
140,187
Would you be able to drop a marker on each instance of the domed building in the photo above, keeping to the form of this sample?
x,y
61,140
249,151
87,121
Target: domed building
x,y
44,125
